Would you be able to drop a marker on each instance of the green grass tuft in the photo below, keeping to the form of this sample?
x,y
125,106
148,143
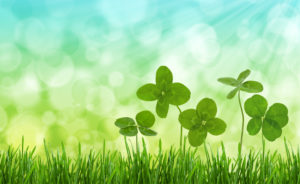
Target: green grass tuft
x,y
173,166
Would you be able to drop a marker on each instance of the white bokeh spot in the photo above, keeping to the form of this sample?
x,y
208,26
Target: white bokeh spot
x,y
10,57
116,79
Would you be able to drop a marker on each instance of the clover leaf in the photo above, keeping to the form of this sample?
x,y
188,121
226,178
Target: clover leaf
x,y
206,109
201,120
256,106
240,85
145,119
129,131
197,136
124,122
147,132
165,91
271,120
128,126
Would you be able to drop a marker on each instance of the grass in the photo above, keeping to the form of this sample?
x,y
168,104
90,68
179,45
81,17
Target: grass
x,y
22,165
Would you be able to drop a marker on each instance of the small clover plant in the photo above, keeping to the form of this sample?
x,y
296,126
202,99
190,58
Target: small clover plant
x,y
239,85
165,92
128,126
201,120
271,120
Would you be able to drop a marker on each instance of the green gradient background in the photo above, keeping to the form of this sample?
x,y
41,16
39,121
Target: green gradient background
x,y
69,68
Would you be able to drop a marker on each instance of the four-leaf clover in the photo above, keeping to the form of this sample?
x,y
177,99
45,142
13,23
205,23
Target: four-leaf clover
x,y
240,85
271,121
145,121
201,120
164,91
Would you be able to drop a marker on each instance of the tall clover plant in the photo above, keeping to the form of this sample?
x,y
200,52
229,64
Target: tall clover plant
x,y
239,85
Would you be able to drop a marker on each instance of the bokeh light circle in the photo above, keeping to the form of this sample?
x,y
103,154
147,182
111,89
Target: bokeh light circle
x,y
61,97
95,32
48,117
291,60
283,10
259,51
202,43
26,91
26,125
10,57
58,75
286,87
244,31
100,100
37,36
116,79
80,90
292,31
93,54
274,35
149,35
84,136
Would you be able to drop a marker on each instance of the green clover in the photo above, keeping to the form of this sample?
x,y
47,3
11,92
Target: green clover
x,y
164,91
201,120
239,85
128,126
271,121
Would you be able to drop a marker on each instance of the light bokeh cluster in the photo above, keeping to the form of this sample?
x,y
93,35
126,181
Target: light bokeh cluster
x,y
69,68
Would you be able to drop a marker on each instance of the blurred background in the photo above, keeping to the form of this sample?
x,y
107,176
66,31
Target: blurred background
x,y
69,68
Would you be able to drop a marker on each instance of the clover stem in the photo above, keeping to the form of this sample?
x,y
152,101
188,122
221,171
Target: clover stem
x,y
243,120
263,144
137,144
180,129
180,137
263,156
